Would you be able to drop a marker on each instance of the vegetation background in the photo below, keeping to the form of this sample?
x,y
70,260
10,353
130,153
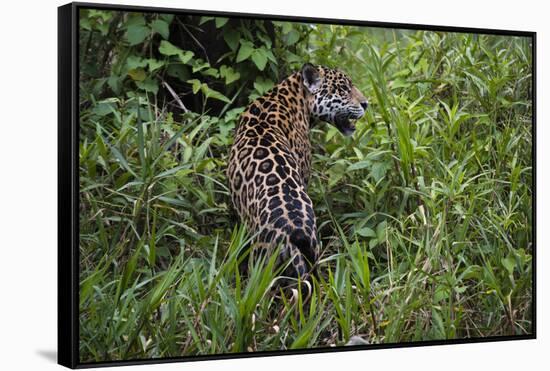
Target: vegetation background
x,y
424,215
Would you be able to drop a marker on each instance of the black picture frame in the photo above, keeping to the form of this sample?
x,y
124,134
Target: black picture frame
x,y
68,181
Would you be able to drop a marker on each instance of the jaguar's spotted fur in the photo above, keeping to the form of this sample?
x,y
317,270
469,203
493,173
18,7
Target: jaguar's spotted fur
x,y
270,160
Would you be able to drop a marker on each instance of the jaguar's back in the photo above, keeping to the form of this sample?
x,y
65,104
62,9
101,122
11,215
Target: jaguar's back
x,y
270,160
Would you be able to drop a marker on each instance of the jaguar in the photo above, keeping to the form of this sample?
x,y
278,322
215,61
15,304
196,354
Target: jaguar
x,y
270,160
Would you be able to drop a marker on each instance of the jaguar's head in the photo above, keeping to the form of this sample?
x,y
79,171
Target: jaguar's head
x,y
333,98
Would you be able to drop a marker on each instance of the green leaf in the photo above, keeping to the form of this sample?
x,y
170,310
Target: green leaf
x,y
205,19
270,56
141,145
399,83
103,28
154,64
187,153
135,19
134,62
229,74
181,170
265,39
129,269
210,93
149,85
167,48
114,83
359,165
373,243
232,37
211,72
509,263
336,173
85,24
161,27
259,58
292,37
437,323
286,27
379,169
245,51
137,74
136,34
102,109
185,56
196,85
262,85
471,272
167,17
381,231
121,160
291,57
220,21
199,65
441,293
366,232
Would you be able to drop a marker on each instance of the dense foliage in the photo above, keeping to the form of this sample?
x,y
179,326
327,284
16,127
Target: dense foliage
x,y
424,215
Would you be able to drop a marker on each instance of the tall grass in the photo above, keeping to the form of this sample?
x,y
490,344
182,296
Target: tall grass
x,y
424,214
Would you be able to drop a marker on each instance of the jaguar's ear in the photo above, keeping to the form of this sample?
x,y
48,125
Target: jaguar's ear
x,y
311,77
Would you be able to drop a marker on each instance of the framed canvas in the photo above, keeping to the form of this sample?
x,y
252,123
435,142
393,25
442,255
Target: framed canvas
x,y
236,185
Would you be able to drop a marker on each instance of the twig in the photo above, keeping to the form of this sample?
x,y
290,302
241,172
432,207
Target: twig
x,y
88,43
110,43
194,39
175,96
